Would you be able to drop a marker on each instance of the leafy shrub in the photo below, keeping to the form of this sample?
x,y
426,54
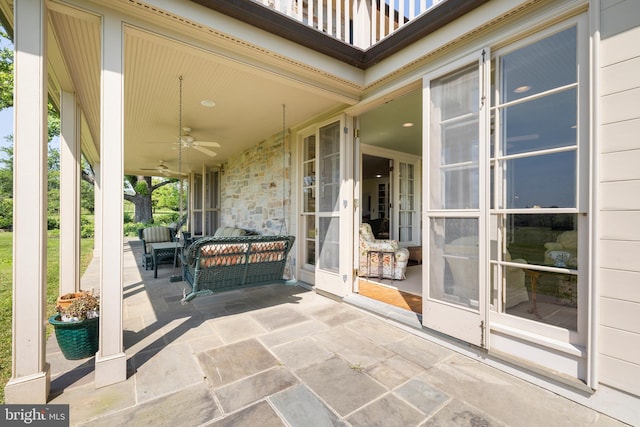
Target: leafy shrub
x,y
53,222
87,228
127,217
132,228
6,214
164,219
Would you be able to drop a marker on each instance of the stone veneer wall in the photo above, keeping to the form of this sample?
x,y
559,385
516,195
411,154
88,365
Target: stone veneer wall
x,y
252,189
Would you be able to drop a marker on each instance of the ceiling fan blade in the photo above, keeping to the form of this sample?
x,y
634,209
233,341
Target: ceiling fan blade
x,y
207,144
205,151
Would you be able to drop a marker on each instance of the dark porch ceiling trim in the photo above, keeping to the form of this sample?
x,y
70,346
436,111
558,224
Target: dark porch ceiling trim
x,y
274,22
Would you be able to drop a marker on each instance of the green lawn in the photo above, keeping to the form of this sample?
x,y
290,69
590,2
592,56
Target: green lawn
x,y
6,278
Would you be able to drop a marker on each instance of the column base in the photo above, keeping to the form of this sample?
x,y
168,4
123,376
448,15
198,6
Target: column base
x,y
33,389
110,370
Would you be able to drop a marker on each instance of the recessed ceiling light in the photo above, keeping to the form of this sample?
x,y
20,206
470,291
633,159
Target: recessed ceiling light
x,y
208,103
407,125
378,176
522,89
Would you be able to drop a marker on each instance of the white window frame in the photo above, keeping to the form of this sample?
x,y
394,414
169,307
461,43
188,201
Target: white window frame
x,y
561,339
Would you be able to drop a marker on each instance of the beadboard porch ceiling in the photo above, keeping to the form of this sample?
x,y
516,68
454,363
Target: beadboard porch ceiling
x,y
248,93
247,72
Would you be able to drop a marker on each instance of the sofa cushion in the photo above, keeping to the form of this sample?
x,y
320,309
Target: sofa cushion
x,y
230,232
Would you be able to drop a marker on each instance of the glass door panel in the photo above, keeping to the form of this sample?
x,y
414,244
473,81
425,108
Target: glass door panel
x,y
329,192
309,201
455,111
406,202
453,257
334,212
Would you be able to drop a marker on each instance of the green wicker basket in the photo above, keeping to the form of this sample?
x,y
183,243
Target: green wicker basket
x,y
77,340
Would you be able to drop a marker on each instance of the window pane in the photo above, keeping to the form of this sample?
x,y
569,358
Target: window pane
x,y
329,164
460,142
461,188
309,199
329,241
454,268
544,65
547,181
310,147
543,239
454,141
456,95
552,298
543,123
310,236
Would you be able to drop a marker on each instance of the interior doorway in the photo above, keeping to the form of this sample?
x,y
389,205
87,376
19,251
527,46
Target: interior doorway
x,y
390,208
390,176
376,194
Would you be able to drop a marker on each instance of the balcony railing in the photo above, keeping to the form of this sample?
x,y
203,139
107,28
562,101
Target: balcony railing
x,y
361,23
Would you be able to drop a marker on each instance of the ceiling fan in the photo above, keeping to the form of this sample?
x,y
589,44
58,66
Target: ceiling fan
x,y
187,141
163,169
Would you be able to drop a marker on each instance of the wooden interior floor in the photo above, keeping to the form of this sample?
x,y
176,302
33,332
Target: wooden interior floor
x,y
390,296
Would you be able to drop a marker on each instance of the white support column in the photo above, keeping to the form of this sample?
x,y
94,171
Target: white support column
x,y
30,380
70,176
97,211
111,359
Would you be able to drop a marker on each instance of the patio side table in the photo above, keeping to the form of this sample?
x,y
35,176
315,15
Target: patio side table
x,y
162,252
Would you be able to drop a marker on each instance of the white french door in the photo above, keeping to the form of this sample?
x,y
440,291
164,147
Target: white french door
x,y
328,205
455,113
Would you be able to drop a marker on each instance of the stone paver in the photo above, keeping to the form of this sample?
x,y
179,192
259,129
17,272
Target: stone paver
x,y
254,388
233,362
175,364
301,353
192,406
281,355
458,414
421,395
344,387
260,414
386,411
300,407
393,371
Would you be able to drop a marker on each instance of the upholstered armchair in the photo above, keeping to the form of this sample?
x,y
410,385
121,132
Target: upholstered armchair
x,y
156,234
564,251
381,256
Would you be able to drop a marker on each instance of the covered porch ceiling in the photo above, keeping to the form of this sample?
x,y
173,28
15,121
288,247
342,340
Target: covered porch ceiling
x,y
252,92
258,80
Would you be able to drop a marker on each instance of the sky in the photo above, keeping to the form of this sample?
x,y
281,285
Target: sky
x,y
6,125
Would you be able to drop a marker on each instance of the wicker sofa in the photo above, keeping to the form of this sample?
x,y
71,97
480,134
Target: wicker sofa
x,y
216,264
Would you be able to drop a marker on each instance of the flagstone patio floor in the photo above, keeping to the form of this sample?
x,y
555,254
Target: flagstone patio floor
x,y
282,355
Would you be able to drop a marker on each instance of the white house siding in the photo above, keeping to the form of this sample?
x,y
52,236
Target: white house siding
x,y
619,201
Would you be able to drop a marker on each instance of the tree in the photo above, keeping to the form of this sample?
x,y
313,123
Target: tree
x,y
143,188
6,171
6,73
